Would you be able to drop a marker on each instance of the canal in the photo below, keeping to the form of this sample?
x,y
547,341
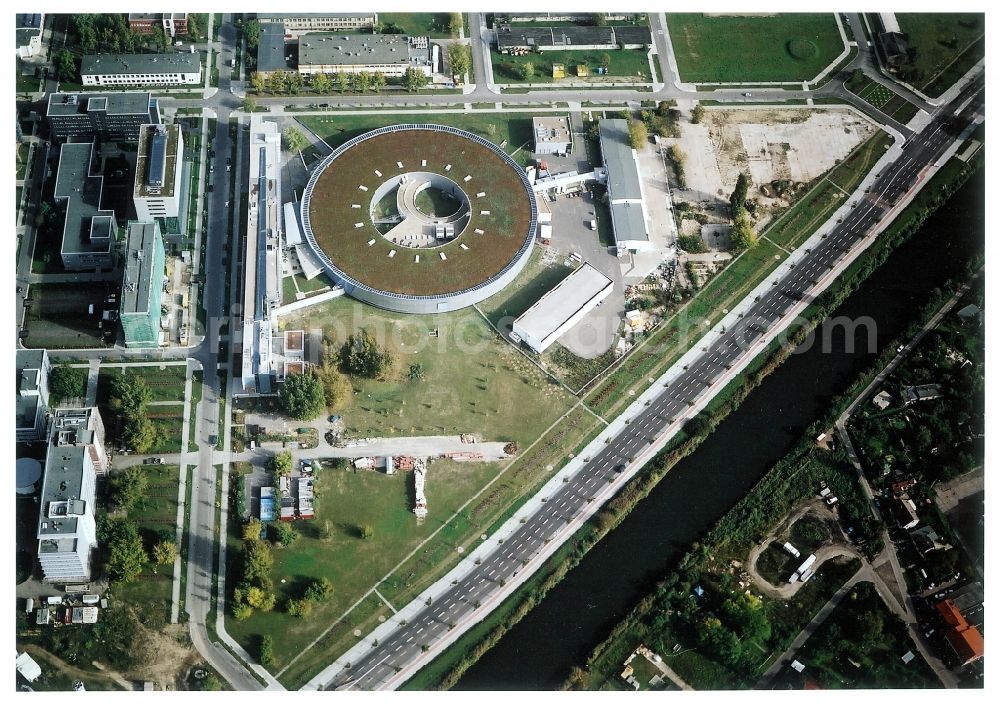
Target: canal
x,y
578,613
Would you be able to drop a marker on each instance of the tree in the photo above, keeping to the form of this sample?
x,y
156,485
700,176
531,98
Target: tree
x,y
343,80
257,82
159,39
455,22
129,394
362,81
526,70
605,61
414,79
367,531
249,105
284,533
321,83
257,561
195,27
637,135
66,382
460,60
257,598
126,556
294,140
738,199
294,82
718,641
164,552
253,527
128,487
378,81
140,433
336,387
362,356
301,395
251,33
416,372
742,236
282,464
320,590
697,113
276,82
241,611
299,608
266,654
65,65
600,19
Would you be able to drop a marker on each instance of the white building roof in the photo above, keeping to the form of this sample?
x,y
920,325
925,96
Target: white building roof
x,y
28,668
562,302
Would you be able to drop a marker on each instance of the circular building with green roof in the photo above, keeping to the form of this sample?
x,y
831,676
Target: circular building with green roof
x,y
420,218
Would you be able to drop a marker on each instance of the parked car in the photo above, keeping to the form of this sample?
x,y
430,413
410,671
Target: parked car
x,y
333,418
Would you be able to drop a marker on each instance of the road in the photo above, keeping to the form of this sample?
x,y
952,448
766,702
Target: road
x,y
396,656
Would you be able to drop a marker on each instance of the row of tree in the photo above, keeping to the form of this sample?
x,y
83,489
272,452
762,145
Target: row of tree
x,y
130,395
742,235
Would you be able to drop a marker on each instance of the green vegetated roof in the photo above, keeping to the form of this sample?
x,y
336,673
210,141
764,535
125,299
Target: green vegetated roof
x,y
504,230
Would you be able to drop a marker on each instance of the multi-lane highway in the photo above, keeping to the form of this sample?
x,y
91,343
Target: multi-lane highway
x,y
383,666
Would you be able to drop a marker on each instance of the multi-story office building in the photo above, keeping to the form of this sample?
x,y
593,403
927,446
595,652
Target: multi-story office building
x,y
33,370
388,54
158,169
142,285
296,23
173,23
80,427
178,68
113,117
89,231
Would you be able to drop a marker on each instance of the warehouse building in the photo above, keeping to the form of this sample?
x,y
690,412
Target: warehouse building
x,y
388,54
176,69
142,285
562,307
89,231
626,197
527,39
157,191
113,117
296,23
33,370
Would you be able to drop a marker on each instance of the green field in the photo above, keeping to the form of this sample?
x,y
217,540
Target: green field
x,y
786,47
947,45
511,130
166,383
881,98
156,516
354,564
626,64
427,24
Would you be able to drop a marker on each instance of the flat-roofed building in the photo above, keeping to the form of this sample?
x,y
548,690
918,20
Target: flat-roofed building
x,y
174,69
262,260
272,52
173,23
562,307
626,197
552,135
543,17
89,230
33,369
389,54
28,31
296,23
80,427
527,39
114,117
142,285
67,532
157,191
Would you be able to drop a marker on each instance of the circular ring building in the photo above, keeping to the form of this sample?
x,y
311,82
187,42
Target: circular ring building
x,y
420,218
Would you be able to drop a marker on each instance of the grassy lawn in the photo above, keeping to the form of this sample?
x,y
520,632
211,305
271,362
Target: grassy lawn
x,y
786,47
169,420
196,385
630,64
535,280
882,98
947,46
22,160
354,564
166,384
156,515
471,382
428,24
511,130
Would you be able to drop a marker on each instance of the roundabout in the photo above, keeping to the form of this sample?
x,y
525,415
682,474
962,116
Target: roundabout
x,y
419,218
